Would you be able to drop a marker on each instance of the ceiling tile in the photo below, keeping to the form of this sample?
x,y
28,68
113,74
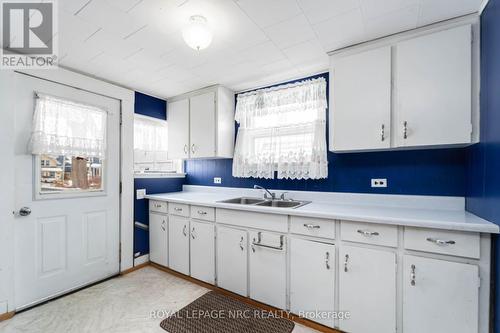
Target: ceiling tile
x,y
393,22
438,10
306,52
290,32
340,31
321,10
262,54
124,5
268,12
372,9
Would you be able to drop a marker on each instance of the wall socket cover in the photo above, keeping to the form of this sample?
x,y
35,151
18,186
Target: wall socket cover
x,y
217,180
140,194
379,182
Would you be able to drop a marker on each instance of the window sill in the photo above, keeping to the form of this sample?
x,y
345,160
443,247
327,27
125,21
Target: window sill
x,y
160,175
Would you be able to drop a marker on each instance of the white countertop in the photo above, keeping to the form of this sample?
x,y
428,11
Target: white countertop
x,y
412,211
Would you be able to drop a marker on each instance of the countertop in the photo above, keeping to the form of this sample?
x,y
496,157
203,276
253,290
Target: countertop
x,y
426,217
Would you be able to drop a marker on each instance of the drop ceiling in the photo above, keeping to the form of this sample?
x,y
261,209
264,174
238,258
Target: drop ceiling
x,y
138,43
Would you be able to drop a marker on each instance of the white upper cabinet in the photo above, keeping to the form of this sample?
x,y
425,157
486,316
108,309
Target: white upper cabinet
x,y
433,76
206,127
361,90
407,91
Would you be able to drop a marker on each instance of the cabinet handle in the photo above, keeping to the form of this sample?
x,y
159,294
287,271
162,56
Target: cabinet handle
x,y
405,130
311,226
184,230
163,225
201,212
241,243
327,260
177,209
193,150
440,241
192,234
382,133
368,233
413,275
258,243
186,149
346,261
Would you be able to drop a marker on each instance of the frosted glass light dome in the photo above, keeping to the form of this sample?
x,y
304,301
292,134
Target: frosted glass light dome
x,y
197,34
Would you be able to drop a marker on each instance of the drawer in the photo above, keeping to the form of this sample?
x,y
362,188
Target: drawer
x,y
454,243
369,233
272,222
158,206
312,227
203,213
178,209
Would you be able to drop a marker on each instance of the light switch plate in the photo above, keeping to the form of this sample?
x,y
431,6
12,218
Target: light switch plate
x,y
379,182
140,194
217,180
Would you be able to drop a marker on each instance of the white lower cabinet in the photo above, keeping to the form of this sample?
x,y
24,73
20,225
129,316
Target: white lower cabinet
x,y
268,268
367,289
203,251
158,239
232,263
312,280
178,244
440,296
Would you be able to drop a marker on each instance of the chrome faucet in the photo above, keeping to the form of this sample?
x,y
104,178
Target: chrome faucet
x,y
272,195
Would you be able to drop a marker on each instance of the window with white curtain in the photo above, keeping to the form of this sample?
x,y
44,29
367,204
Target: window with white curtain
x,y
68,140
151,146
282,132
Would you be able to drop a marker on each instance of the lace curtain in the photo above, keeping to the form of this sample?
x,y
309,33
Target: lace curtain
x,y
282,130
63,127
150,134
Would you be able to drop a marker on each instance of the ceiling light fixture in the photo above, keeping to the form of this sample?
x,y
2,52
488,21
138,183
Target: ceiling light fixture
x,y
197,34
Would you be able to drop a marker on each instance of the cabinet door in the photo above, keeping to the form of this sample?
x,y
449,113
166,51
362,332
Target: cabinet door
x,y
433,85
202,130
158,249
178,244
232,260
312,279
178,129
268,269
361,90
367,289
440,296
203,251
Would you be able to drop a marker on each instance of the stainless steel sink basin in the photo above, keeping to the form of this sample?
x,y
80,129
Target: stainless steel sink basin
x,y
283,203
243,201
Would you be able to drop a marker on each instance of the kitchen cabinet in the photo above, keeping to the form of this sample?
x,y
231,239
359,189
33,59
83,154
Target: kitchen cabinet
x,y
407,91
312,279
158,239
439,296
202,124
178,244
367,289
202,252
268,268
232,263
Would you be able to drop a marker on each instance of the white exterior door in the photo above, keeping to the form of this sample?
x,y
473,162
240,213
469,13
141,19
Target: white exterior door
x,y
367,289
433,86
232,260
202,129
178,244
268,269
65,243
312,279
203,251
158,239
440,296
178,129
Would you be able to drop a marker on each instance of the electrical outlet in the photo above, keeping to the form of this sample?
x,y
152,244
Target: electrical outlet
x,y
379,182
217,180
139,194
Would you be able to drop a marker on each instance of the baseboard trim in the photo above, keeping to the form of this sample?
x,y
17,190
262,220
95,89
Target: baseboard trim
x,y
135,268
6,316
293,317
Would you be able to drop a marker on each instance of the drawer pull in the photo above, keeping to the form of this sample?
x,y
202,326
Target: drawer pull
x,y
327,260
440,242
412,275
201,212
346,261
241,244
259,243
368,233
157,205
177,209
311,226
184,230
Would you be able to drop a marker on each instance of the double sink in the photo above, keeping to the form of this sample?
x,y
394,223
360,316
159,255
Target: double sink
x,y
266,202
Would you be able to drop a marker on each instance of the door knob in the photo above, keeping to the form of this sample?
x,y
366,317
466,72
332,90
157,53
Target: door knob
x,y
24,211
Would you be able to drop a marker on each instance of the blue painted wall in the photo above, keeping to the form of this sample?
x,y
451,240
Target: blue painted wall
x,y
153,107
423,172
483,172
